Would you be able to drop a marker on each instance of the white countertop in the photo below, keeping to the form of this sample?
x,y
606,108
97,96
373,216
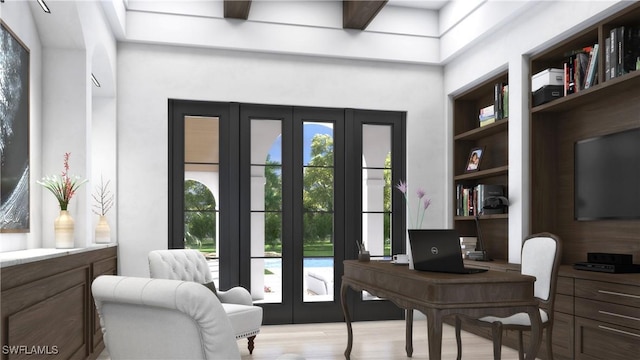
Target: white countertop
x,y
11,258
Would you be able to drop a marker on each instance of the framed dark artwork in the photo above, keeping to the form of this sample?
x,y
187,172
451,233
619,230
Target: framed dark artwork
x,y
14,132
475,156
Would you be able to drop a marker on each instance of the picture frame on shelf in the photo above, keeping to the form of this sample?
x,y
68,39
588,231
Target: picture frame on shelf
x,y
475,157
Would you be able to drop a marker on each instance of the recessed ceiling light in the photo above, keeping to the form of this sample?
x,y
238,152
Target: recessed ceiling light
x,y
95,81
44,6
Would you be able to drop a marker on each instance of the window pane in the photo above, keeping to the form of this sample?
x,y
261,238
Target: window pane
x,y
318,189
266,234
266,142
318,234
266,280
318,279
318,144
201,145
376,233
376,145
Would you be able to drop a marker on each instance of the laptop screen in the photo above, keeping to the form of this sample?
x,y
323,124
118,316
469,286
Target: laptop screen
x,y
436,250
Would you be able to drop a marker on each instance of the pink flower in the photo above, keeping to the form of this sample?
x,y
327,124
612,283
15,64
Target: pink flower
x,y
420,208
427,202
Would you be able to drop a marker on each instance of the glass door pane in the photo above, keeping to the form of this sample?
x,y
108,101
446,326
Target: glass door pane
x,y
318,211
376,189
201,188
266,210
376,192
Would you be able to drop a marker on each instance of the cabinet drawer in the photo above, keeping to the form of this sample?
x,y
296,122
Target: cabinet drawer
x,y
598,340
611,313
609,292
565,285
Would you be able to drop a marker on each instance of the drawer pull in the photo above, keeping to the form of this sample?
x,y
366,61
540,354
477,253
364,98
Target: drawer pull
x,y
618,315
618,294
618,331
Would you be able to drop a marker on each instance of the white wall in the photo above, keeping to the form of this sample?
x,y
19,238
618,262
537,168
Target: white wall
x,y
149,75
66,46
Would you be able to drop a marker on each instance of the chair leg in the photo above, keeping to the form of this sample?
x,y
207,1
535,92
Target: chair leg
x,y
250,344
549,343
520,346
497,340
458,338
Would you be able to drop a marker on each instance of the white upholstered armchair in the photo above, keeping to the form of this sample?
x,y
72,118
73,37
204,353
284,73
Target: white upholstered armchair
x,y
191,265
144,318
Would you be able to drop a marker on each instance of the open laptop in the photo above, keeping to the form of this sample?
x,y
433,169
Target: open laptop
x,y
438,250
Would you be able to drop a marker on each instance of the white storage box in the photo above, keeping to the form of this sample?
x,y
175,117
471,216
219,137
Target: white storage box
x,y
547,77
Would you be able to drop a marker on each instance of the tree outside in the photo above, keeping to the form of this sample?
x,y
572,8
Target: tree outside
x,y
199,217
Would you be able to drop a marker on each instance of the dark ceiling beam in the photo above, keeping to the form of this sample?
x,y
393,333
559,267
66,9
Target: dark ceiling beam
x,y
237,9
357,14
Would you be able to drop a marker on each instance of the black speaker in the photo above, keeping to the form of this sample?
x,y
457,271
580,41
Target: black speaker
x,y
604,258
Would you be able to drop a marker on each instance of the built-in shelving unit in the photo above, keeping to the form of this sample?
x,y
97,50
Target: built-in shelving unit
x,y
494,165
589,323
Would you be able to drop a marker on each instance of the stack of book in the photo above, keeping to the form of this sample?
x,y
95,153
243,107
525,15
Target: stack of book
x,y
467,244
622,54
487,115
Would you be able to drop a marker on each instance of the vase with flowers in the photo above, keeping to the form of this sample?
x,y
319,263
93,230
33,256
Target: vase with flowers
x,y
104,201
63,187
422,204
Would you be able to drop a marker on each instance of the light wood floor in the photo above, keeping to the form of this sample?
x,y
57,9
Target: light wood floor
x,y
372,340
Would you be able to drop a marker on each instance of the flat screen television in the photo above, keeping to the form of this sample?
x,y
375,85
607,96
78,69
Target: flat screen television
x,y
607,177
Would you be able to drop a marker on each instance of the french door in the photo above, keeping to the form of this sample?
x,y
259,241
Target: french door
x,y
292,190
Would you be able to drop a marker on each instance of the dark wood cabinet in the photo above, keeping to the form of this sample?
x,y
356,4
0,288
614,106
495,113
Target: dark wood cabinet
x,y
596,315
47,311
608,107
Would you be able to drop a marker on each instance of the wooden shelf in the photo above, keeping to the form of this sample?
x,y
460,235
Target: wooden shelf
x,y
501,170
482,217
478,133
628,82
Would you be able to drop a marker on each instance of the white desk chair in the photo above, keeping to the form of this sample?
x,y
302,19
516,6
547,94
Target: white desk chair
x,y
540,258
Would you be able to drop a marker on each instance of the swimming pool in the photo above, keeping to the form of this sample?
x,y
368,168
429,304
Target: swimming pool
x,y
276,263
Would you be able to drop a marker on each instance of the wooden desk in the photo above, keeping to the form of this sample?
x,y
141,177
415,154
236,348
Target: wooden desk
x,y
439,294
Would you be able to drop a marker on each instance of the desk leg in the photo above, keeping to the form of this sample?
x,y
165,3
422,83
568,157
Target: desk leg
x,y
536,332
409,335
347,319
434,326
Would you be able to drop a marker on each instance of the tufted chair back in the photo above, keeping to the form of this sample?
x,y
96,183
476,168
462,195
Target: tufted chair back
x,y
179,264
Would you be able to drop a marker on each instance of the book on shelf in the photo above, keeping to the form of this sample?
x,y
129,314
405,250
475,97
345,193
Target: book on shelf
x,y
575,69
472,200
498,100
505,100
607,58
592,67
623,50
613,53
